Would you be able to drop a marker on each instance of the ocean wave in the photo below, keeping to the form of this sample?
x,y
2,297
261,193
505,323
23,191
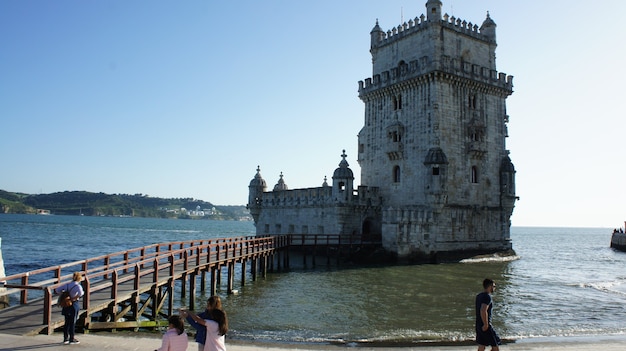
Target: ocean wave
x,y
491,258
613,287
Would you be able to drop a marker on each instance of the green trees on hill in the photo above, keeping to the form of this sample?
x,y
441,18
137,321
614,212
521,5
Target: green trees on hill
x,y
101,204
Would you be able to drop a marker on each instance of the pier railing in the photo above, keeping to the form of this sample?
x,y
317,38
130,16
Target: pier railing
x,y
140,282
118,261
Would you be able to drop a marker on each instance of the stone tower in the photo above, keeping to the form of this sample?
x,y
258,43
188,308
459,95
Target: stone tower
x,y
433,141
437,182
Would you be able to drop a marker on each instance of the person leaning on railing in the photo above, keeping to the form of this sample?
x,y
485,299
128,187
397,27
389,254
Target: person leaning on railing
x,y
70,312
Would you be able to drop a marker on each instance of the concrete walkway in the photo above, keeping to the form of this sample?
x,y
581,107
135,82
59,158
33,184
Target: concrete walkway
x,y
128,342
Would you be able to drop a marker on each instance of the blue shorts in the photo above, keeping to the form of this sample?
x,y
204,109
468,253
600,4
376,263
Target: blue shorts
x,y
487,338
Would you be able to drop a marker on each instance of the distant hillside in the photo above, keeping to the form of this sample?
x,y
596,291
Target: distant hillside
x,y
100,204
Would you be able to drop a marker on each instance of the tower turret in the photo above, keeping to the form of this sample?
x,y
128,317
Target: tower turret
x,y
507,178
433,10
342,180
377,35
488,28
255,193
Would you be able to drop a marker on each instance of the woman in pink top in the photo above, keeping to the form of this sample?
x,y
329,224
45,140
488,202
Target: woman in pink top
x,y
175,339
216,329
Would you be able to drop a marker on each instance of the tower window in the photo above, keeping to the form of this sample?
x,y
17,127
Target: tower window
x,y
471,101
474,136
396,174
474,174
342,186
435,170
397,102
395,136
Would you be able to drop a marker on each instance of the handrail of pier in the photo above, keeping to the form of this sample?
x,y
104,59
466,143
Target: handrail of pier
x,y
154,266
126,259
142,269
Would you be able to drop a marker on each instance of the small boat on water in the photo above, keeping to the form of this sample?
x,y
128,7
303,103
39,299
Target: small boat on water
x,y
618,239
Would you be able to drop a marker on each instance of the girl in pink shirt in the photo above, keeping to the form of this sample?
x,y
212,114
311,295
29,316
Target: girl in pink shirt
x,y
175,339
216,329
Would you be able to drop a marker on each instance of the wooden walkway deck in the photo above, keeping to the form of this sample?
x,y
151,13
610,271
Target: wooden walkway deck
x,y
137,284
136,288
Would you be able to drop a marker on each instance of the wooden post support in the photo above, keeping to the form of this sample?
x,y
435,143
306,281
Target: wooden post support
x,y
264,272
253,268
203,280
243,273
213,281
192,291
231,277
170,295
47,313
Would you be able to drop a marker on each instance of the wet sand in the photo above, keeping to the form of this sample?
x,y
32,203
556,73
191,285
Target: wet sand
x,y
128,342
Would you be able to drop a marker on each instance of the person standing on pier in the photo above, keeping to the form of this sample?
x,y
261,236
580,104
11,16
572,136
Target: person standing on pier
x,y
70,312
214,302
485,334
216,329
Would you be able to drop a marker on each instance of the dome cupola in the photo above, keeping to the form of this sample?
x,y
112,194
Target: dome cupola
x,y
342,181
280,186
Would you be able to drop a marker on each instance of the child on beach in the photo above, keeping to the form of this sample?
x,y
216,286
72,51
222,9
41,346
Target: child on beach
x,y
175,339
214,302
216,329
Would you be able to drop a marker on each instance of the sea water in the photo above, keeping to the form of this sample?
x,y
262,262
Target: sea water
x,y
566,282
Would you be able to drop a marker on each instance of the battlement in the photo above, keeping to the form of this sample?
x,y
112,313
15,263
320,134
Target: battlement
x,y
317,196
298,197
419,23
445,64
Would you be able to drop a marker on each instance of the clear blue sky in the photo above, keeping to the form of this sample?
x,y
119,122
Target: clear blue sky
x,y
186,98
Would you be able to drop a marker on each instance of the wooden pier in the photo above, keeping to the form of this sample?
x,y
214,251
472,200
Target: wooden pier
x,y
136,288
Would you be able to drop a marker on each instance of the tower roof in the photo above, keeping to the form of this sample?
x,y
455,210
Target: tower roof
x,y
488,22
281,184
376,28
343,172
258,181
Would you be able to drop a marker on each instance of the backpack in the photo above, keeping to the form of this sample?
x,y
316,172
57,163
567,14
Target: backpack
x,y
65,300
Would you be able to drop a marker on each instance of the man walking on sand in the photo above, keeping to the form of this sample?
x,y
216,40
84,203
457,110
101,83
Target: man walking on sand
x,y
485,334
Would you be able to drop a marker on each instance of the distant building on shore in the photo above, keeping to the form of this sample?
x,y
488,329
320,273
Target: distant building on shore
x,y
437,180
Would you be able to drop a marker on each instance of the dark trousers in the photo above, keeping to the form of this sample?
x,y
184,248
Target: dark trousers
x,y
71,315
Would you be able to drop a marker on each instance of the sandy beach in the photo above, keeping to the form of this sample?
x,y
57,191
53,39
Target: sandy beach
x,y
126,342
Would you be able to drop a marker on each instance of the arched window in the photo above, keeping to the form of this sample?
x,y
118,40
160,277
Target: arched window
x,y
396,174
474,174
